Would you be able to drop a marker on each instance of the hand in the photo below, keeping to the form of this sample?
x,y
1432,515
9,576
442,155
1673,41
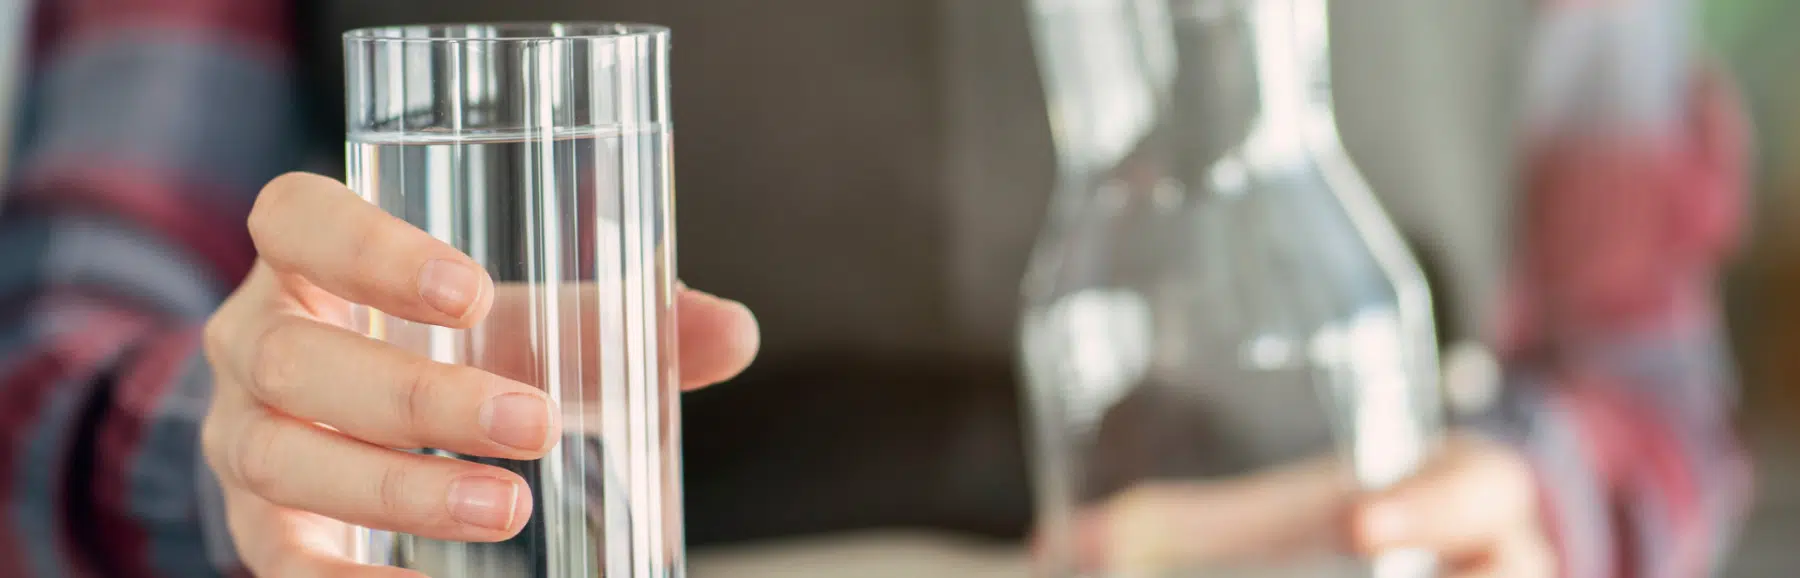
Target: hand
x,y
297,390
1282,517
1475,505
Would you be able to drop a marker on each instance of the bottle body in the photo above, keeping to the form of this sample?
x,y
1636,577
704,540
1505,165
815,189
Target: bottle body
x,y
1200,364
1225,340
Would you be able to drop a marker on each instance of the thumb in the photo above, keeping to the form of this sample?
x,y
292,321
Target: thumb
x,y
1472,494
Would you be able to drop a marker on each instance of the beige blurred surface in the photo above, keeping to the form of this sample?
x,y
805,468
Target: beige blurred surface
x,y
1763,552
903,554
892,554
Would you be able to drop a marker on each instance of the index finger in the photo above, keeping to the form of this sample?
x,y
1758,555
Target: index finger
x,y
319,229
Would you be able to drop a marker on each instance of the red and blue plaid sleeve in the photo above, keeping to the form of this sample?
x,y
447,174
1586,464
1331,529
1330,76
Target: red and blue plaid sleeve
x,y
147,126
1620,387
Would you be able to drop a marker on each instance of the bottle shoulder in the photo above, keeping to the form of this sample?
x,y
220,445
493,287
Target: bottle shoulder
x,y
1249,231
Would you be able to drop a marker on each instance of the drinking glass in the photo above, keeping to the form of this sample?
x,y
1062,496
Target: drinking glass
x,y
542,151
1225,339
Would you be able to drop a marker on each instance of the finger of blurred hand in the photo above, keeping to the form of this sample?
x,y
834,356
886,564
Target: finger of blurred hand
x,y
321,230
276,541
382,394
1520,554
302,466
1154,527
1472,494
717,338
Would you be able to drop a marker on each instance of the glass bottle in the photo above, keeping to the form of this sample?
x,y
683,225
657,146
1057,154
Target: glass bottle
x,y
1225,339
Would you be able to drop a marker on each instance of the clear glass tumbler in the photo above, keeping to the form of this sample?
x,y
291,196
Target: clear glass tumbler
x,y
542,151
1224,337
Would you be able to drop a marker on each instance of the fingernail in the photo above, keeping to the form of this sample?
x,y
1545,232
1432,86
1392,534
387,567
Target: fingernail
x,y
1382,524
449,286
484,501
516,420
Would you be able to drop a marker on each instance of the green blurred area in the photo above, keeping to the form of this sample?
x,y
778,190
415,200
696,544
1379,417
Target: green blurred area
x,y
1760,41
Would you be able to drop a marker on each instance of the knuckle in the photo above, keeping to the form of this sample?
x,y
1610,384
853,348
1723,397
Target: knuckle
x,y
276,361
372,237
212,442
254,457
271,201
221,336
213,337
394,486
412,397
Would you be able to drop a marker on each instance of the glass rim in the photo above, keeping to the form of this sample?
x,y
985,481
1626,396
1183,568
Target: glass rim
x,y
503,32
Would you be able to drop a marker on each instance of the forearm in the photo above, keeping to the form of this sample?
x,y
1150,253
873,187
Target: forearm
x,y
103,390
147,128
96,448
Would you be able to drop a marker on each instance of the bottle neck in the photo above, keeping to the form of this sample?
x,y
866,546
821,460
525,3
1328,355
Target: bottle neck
x,y
1255,79
1142,90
